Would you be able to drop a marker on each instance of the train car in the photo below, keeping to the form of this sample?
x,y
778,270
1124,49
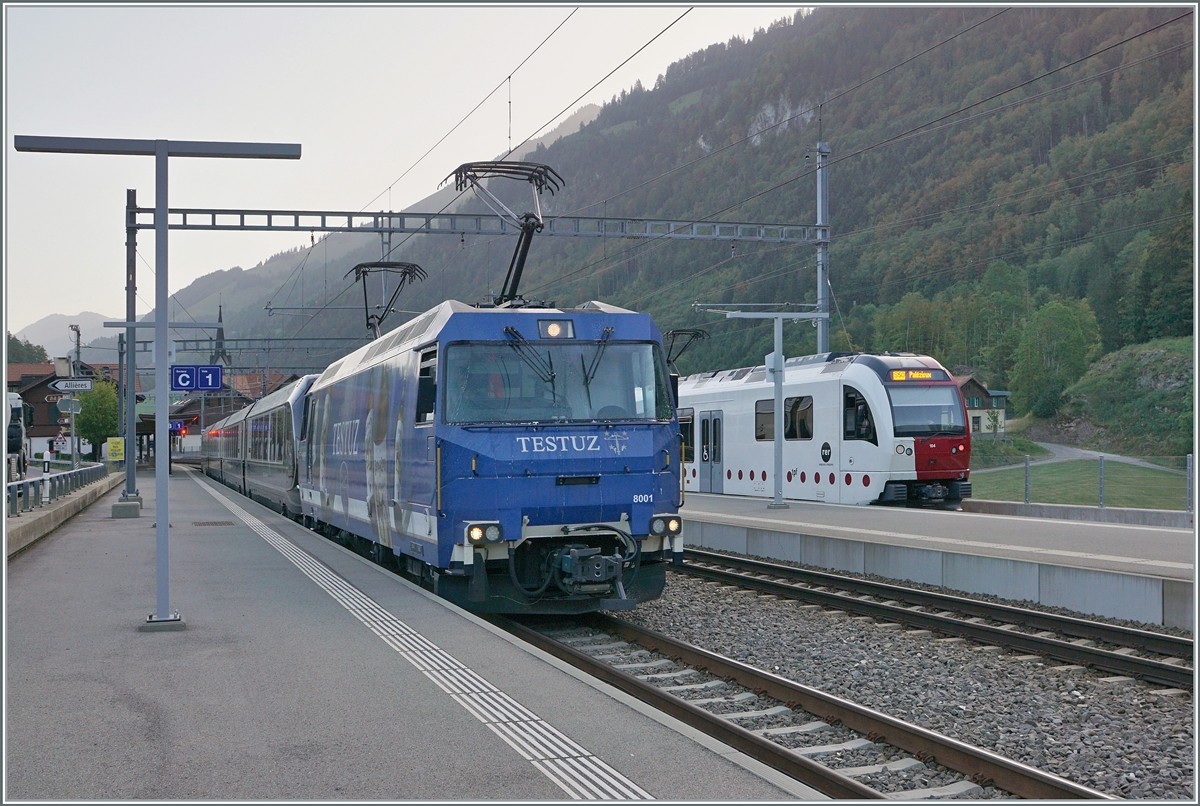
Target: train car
x,y
255,450
271,447
222,450
859,428
515,459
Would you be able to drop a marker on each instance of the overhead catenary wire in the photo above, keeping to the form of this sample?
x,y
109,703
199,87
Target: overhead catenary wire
x,y
454,128
565,109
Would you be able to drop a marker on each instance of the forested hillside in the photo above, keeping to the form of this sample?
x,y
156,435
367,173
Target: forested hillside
x,y
1010,191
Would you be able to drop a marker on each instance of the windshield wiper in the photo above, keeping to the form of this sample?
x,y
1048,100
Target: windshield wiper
x,y
590,372
542,368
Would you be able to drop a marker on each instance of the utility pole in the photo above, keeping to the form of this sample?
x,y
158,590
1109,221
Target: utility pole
x,y
75,374
822,247
131,493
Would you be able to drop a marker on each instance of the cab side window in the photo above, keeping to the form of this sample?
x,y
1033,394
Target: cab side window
x,y
426,388
857,420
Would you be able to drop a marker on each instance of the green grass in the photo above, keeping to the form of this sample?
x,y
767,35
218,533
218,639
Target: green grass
x,y
1078,482
683,102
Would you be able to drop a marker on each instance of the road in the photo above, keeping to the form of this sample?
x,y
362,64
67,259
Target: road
x,y
1068,453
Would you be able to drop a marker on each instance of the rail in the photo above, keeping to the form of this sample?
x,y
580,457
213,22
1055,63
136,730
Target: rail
x,y
979,765
862,598
29,494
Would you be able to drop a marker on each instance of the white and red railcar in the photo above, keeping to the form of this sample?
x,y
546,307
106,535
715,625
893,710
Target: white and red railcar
x,y
859,428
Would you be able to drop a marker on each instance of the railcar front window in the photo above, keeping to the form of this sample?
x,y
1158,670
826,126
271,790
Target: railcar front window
x,y
925,411
522,382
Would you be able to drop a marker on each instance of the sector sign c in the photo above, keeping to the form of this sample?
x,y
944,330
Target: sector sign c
x,y
183,378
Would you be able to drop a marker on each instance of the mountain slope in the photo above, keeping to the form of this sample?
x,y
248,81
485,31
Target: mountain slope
x,y
1004,167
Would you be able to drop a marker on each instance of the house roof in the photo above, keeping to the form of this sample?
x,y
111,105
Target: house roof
x,y
963,380
18,371
24,375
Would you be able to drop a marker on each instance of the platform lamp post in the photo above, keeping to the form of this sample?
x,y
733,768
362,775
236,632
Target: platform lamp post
x,y
774,364
163,618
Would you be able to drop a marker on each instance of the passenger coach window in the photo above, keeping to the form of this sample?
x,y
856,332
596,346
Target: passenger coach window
x,y
857,420
426,387
687,429
716,441
798,418
764,420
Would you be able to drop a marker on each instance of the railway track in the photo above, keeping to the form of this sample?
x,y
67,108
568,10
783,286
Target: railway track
x,y
1060,637
798,730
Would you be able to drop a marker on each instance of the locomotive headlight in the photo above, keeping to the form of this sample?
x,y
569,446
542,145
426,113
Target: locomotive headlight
x,y
490,532
665,525
556,328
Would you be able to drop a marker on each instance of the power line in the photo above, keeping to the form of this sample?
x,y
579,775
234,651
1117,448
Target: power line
x,y
511,73
930,232
535,132
995,202
601,81
917,130
983,261
788,120
912,132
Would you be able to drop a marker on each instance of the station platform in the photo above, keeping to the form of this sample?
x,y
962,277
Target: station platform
x,y
305,672
1130,571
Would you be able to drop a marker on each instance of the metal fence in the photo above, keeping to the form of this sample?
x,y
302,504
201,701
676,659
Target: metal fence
x,y
29,494
1099,480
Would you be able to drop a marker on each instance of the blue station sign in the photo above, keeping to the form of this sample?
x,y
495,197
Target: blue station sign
x,y
192,377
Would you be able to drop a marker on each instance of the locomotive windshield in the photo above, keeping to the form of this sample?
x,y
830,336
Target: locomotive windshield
x,y
577,381
926,411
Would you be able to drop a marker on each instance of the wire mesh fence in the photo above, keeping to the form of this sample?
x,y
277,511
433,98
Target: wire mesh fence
x,y
1138,482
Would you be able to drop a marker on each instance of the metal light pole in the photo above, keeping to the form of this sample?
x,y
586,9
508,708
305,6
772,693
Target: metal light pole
x,y
131,493
161,150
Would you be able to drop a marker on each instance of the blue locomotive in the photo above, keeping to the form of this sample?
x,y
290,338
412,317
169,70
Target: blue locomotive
x,y
514,459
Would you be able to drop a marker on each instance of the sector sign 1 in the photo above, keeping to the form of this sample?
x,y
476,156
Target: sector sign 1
x,y
192,377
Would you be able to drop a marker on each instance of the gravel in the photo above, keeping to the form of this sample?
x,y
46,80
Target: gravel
x,y
1121,739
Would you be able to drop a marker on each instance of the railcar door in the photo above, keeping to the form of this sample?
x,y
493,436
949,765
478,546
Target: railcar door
x,y
862,460
712,446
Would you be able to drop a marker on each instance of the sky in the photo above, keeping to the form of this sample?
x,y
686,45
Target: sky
x,y
364,90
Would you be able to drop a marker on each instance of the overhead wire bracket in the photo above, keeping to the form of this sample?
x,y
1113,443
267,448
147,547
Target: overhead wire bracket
x,y
408,272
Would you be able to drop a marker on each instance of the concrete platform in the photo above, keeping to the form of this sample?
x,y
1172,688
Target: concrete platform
x,y
29,527
1138,572
304,672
